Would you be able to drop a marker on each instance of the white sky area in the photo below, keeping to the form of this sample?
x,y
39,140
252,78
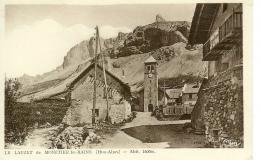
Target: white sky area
x,y
41,47
37,37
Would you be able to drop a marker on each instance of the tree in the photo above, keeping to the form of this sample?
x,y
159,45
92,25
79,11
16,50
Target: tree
x,y
11,91
11,95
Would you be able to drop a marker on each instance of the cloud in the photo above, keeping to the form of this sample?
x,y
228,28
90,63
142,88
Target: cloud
x,y
41,47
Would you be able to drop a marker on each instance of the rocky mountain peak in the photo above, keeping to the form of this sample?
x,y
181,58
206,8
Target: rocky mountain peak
x,y
159,18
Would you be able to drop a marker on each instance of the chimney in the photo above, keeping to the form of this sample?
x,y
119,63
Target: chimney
x,y
123,73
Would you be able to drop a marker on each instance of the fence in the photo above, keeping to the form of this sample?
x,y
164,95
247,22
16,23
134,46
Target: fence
x,y
178,110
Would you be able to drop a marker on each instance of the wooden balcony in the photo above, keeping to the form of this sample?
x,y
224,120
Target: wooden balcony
x,y
224,38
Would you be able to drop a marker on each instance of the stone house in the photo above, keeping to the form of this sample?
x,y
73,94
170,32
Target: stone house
x,y
174,103
77,91
81,97
174,95
189,96
220,106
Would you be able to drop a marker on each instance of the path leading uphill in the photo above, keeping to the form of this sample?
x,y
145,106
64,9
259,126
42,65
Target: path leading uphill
x,y
36,139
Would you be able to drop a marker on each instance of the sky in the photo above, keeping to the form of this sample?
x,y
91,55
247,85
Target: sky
x,y
37,37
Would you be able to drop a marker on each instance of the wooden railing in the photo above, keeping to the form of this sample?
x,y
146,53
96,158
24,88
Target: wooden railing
x,y
206,48
178,110
230,27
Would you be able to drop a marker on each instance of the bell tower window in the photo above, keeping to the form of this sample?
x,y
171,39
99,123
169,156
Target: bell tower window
x,y
150,68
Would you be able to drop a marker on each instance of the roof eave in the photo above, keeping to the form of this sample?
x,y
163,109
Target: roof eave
x,y
203,12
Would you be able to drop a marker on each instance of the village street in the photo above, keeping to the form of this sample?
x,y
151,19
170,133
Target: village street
x,y
144,131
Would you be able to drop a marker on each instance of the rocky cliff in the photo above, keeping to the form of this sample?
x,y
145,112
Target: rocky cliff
x,y
165,40
146,38
79,53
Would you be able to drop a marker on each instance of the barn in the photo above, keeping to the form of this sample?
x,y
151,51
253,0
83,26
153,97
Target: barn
x,y
77,90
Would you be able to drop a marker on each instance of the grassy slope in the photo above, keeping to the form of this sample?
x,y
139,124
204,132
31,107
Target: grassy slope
x,y
183,63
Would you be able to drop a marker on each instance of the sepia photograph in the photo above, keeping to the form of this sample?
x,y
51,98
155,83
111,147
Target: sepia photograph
x,y
123,76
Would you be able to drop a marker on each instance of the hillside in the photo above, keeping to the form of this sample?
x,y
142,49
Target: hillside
x,y
173,62
165,40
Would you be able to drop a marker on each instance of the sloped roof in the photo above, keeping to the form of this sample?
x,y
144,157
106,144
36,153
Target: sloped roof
x,y
203,16
191,88
65,85
150,60
159,90
173,93
107,72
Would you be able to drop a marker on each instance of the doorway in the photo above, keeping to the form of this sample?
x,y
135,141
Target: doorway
x,y
150,108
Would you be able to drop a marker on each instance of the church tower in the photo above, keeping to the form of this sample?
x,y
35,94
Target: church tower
x,y
150,84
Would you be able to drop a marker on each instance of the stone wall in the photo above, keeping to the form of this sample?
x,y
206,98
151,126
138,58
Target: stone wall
x,y
222,102
119,112
80,110
197,114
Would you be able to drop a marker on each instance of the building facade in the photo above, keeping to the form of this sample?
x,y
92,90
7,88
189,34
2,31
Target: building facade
x,y
150,85
174,96
189,97
220,106
81,98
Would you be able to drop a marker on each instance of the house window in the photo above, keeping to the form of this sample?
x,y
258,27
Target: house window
x,y
190,95
224,66
152,68
215,133
225,5
96,112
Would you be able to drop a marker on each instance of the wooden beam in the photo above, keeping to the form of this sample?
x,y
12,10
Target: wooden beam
x,y
95,81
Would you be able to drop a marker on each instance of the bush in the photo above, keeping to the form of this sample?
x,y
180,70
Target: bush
x,y
157,113
22,117
130,117
13,133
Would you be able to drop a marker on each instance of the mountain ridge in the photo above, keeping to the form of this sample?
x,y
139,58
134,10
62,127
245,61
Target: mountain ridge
x,y
165,40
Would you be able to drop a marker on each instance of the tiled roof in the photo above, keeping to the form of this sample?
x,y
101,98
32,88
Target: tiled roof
x,y
173,93
64,85
150,60
191,88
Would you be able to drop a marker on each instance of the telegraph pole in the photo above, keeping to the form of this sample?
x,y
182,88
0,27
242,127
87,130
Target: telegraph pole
x,y
95,81
164,91
104,74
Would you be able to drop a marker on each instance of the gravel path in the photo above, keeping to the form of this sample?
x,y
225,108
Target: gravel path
x,y
145,118
37,139
169,134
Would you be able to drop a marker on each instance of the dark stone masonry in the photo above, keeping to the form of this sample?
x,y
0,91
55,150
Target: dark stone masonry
x,y
219,109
